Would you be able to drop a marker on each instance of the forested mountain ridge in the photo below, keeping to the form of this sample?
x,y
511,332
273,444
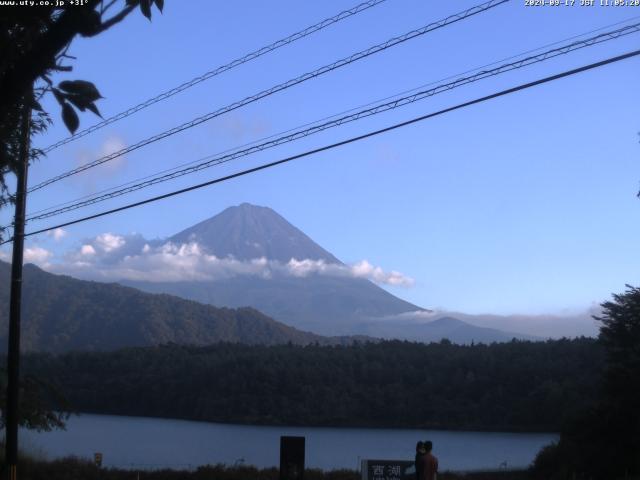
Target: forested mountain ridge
x,y
323,305
61,313
526,386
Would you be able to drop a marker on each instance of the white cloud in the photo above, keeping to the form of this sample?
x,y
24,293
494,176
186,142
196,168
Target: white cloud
x,y
116,257
87,250
111,145
37,255
362,269
109,242
57,234
415,317
304,268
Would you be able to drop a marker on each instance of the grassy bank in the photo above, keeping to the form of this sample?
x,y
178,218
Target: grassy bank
x,y
77,469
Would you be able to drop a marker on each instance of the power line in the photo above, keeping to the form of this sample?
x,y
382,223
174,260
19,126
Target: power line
x,y
217,159
315,122
345,142
219,70
280,87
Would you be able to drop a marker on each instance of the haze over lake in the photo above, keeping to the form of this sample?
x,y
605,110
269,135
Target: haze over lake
x,y
148,443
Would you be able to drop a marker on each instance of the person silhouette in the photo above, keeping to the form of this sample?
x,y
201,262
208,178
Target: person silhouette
x,y
427,464
420,451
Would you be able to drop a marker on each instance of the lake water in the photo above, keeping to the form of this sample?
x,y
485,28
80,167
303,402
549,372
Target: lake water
x,y
150,443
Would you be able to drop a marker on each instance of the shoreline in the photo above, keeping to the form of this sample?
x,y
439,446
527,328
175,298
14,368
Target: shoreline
x,y
487,430
75,467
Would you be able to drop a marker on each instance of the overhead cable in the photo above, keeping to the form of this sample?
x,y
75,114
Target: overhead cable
x,y
336,115
219,70
280,87
459,106
218,159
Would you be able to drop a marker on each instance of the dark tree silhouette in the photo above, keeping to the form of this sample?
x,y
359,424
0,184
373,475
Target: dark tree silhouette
x,y
604,441
620,335
34,41
42,406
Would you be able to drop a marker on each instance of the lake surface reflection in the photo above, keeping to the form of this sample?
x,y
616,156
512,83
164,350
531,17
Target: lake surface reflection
x,y
149,443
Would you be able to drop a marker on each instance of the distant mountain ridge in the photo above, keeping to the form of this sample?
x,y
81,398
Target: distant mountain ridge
x,y
441,327
61,313
568,325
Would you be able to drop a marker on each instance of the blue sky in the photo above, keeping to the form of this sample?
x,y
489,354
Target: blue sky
x,y
525,204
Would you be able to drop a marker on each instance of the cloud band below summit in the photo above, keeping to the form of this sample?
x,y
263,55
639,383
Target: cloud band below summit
x,y
115,257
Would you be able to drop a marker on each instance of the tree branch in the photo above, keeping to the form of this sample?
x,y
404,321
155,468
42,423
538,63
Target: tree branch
x,y
41,57
107,7
37,60
113,20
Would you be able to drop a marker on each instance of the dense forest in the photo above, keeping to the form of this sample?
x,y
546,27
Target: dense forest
x,y
603,442
528,386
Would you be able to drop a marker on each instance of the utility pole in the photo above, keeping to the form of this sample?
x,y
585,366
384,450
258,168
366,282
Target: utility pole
x,y
13,355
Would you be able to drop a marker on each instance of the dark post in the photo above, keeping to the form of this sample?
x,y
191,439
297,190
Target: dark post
x,y
291,458
13,355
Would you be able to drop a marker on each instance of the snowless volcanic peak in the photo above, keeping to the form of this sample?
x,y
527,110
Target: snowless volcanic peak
x,y
330,304
249,231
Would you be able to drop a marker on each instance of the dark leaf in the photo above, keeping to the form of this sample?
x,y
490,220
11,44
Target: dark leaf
x,y
35,105
82,88
160,5
78,102
90,24
132,2
145,8
59,95
92,107
82,104
70,117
